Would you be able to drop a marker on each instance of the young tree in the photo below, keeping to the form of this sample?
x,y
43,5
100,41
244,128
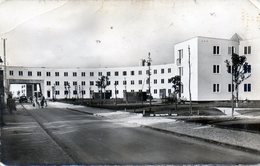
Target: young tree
x,y
176,81
102,83
239,69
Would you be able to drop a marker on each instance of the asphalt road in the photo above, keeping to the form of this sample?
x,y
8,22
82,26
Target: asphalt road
x,y
57,136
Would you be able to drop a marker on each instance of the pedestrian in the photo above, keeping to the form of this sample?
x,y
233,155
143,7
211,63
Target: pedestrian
x,y
9,104
42,101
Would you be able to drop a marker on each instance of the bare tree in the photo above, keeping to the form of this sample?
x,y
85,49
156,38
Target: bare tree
x,y
240,70
176,81
102,83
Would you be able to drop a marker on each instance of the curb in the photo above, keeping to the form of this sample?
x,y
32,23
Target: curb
x,y
250,150
232,146
89,113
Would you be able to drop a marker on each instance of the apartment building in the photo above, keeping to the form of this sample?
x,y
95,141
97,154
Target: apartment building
x,y
81,82
210,80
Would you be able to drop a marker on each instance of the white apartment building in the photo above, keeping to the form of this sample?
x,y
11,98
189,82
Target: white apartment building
x,y
210,80
54,81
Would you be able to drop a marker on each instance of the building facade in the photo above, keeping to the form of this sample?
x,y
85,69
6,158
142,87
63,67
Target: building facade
x,y
81,82
210,80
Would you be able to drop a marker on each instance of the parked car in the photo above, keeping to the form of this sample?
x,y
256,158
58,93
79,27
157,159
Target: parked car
x,y
23,99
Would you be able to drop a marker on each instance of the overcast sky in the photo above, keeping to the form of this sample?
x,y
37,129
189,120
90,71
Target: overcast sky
x,y
85,33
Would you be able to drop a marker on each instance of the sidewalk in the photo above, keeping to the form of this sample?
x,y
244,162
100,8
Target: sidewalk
x,y
237,139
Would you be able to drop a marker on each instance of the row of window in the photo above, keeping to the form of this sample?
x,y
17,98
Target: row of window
x,y
83,92
83,74
216,69
216,87
232,49
83,83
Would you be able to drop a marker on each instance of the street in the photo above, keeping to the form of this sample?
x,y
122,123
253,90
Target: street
x,y
61,136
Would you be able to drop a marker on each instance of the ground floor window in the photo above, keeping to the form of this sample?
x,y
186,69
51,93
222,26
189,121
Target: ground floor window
x,y
247,87
215,87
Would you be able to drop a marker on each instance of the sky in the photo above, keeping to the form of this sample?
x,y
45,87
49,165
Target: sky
x,y
115,33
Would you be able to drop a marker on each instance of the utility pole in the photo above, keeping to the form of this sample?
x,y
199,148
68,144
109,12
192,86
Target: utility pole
x,y
149,78
126,98
115,94
190,80
2,107
232,88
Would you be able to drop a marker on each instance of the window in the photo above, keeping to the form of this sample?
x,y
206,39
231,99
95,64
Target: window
x,y
99,73
108,82
154,71
147,72
124,73
132,90
74,74
116,91
247,69
229,69
108,73
216,50
83,92
57,92
169,70
147,81
48,83
155,81
116,73
66,74
39,73
83,74
74,83
216,69
20,73
91,74
140,72
181,71
132,73
229,87
66,92
247,50
155,91
162,71
215,87
57,83
66,83
29,73
57,74
116,83
83,83
48,74
91,82
162,81
75,92
140,81
169,91
180,53
231,50
247,87
169,80
124,82
132,82
11,72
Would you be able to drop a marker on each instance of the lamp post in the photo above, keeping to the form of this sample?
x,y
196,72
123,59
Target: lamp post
x,y
148,62
115,94
1,93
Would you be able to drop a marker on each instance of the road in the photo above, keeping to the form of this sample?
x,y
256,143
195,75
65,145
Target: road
x,y
62,136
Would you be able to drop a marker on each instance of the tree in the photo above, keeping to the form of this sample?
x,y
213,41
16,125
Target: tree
x,y
176,81
102,83
240,70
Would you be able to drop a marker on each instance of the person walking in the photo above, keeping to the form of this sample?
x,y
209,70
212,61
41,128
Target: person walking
x,y
9,103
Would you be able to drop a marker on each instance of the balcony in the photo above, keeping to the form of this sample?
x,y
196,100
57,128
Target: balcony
x,y
178,61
